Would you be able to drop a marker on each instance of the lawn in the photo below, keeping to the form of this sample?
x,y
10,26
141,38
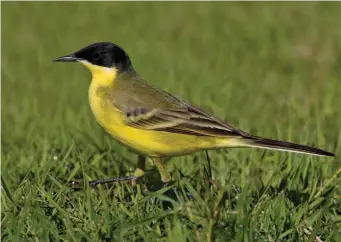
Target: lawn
x,y
272,69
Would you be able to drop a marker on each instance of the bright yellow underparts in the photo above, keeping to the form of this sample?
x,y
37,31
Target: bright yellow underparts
x,y
148,142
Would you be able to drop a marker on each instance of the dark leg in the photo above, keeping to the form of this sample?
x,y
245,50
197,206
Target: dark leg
x,y
139,172
209,172
117,179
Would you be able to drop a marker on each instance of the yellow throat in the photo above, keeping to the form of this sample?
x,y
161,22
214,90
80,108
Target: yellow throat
x,y
101,76
102,80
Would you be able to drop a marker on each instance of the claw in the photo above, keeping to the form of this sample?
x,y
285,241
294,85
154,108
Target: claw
x,y
117,179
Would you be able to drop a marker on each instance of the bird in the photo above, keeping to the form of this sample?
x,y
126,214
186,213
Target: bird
x,y
153,122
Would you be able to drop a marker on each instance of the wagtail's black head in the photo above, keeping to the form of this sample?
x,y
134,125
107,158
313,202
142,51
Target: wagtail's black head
x,y
104,54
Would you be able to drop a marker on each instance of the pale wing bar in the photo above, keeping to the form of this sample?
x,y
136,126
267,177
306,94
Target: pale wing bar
x,y
183,121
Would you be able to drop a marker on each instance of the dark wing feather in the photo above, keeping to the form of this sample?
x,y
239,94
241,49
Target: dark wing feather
x,y
179,121
147,107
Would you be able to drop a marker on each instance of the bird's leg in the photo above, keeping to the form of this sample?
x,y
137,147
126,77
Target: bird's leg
x,y
138,173
165,177
209,172
116,179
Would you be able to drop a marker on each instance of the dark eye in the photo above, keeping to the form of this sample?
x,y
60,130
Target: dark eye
x,y
96,56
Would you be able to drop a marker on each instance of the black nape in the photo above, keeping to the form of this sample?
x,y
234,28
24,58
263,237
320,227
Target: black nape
x,y
105,54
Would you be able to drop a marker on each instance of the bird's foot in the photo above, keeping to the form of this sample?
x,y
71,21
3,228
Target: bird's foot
x,y
138,173
115,179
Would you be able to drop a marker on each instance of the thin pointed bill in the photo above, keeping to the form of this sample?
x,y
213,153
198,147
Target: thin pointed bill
x,y
67,58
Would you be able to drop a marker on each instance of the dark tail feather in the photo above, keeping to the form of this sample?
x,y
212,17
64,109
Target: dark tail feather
x,y
264,143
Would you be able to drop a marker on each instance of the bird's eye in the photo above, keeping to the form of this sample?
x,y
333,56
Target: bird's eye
x,y
96,56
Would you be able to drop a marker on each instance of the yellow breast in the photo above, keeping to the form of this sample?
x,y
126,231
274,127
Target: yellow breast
x,y
148,142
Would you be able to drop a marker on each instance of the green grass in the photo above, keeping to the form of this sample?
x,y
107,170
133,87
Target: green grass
x,y
272,69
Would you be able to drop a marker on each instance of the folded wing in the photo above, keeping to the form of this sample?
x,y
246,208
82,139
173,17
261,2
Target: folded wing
x,y
187,120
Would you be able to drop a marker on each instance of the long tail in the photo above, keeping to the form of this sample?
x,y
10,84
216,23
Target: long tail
x,y
259,142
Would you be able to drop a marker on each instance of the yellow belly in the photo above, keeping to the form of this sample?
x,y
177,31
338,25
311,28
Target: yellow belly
x,y
148,142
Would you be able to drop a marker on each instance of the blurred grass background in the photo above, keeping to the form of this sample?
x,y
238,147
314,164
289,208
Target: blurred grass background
x,y
272,69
